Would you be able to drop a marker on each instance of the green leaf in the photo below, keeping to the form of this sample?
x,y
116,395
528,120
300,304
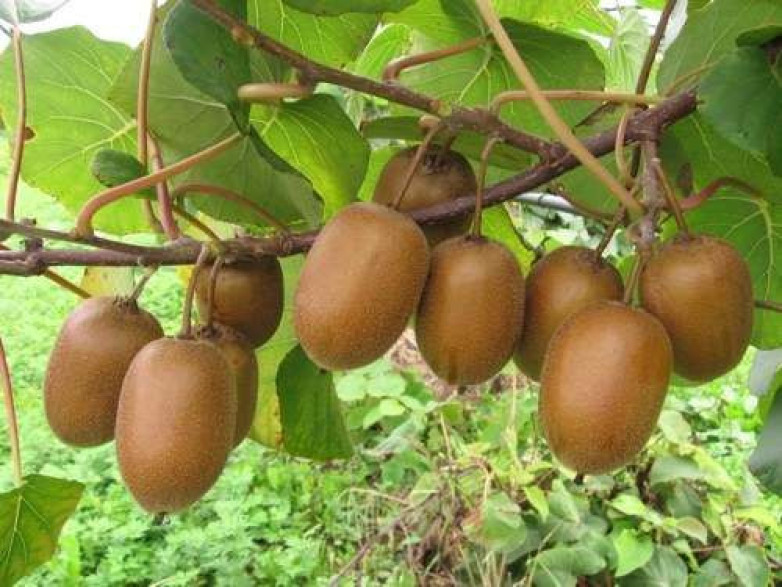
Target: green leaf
x,y
498,226
207,55
563,565
664,569
743,77
312,423
22,11
562,504
502,528
557,60
111,168
713,573
693,528
758,232
633,550
630,505
537,498
31,518
391,42
568,15
749,564
766,461
336,7
674,427
305,133
108,281
69,72
693,53
267,428
626,51
332,41
672,468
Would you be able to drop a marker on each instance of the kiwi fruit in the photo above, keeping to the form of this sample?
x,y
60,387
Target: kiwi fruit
x,y
90,358
604,379
243,363
472,310
700,288
176,422
360,284
248,297
563,282
442,176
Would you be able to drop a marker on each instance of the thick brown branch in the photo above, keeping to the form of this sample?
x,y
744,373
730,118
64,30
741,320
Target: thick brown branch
x,y
641,126
466,118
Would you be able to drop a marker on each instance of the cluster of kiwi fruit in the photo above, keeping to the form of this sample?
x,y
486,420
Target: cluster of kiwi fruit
x,y
176,406
604,365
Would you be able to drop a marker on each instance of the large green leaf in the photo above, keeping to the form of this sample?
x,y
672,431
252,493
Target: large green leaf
x,y
267,428
312,422
749,565
69,72
31,517
633,550
665,568
766,461
744,77
207,55
21,11
334,40
693,53
562,565
336,7
626,51
752,223
305,133
557,60
572,15
185,120
501,528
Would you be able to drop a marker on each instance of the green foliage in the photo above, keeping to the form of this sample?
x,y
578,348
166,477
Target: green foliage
x,y
31,517
337,7
23,11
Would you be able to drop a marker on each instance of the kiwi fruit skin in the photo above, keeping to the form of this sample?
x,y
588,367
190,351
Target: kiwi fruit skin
x,y
249,297
176,423
93,351
360,284
604,380
700,288
441,177
472,310
243,364
563,282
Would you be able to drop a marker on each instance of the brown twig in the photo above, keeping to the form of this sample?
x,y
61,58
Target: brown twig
x,y
167,220
696,200
477,220
769,305
10,412
393,70
21,124
187,309
188,217
582,95
186,252
59,280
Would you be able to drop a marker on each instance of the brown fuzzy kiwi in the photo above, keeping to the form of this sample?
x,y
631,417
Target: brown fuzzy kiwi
x,y
248,297
471,311
90,358
701,290
176,423
560,284
441,177
605,377
244,368
360,283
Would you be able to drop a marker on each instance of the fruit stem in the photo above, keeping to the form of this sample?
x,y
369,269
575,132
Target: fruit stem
x,y
188,189
10,412
84,220
137,291
414,164
477,220
670,197
187,308
547,111
210,298
632,281
187,216
654,46
142,97
21,124
625,175
581,95
619,217
170,227
394,68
